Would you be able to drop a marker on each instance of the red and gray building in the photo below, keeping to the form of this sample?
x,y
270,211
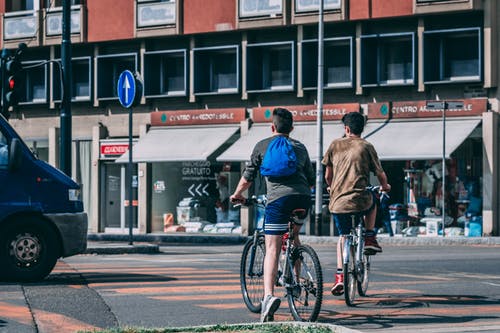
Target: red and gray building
x,y
212,72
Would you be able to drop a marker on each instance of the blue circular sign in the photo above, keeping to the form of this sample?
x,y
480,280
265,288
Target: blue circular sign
x,y
126,88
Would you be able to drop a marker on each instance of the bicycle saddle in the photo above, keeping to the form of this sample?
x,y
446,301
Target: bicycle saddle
x,y
299,213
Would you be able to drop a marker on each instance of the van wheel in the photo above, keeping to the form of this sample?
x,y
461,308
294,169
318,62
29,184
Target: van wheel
x,y
28,250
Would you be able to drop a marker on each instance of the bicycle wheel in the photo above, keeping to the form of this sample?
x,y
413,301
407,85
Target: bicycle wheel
x,y
364,275
252,273
350,277
305,296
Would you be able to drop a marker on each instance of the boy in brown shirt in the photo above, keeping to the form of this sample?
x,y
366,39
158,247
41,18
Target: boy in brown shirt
x,y
349,161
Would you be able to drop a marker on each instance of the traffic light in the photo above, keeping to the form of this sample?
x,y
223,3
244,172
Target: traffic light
x,y
12,68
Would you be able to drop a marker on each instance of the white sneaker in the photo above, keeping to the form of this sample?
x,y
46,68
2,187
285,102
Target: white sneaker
x,y
269,306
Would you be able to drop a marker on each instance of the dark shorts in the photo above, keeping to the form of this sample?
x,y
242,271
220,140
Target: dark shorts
x,y
343,222
278,212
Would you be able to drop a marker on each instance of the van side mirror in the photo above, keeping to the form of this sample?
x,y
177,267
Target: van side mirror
x,y
15,154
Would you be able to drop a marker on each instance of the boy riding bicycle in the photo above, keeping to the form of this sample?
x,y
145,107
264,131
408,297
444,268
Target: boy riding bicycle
x,y
349,161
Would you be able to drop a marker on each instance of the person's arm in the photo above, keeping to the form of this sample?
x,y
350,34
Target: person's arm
x,y
382,179
328,176
243,185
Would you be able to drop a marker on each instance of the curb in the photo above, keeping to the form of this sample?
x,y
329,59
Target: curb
x,y
231,239
119,248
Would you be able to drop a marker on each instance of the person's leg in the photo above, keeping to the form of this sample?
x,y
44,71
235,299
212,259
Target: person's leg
x,y
343,224
273,247
371,244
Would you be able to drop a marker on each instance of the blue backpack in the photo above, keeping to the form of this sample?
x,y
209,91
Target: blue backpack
x,y
280,159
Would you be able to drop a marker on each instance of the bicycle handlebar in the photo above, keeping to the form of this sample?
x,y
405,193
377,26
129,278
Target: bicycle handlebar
x,y
251,201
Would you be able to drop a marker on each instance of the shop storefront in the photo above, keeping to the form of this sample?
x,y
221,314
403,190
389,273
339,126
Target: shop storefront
x,y
182,187
410,146
113,187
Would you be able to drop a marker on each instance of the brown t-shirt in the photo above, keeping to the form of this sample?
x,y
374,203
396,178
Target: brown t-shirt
x,y
351,159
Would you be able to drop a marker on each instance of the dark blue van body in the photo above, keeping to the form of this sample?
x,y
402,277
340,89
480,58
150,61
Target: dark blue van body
x,y
41,212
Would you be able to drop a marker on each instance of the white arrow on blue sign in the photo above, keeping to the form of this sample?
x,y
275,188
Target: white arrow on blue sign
x,y
126,88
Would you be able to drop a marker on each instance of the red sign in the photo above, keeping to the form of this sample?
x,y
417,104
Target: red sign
x,y
418,109
198,117
307,112
113,149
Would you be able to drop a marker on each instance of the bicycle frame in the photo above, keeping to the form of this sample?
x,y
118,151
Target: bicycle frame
x,y
355,238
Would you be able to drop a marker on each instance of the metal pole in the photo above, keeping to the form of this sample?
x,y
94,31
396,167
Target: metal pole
x,y
5,111
65,118
130,180
443,179
319,167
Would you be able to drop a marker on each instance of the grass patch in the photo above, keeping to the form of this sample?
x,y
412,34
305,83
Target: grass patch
x,y
264,328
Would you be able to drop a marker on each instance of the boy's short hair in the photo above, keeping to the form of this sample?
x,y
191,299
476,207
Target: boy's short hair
x,y
282,120
355,121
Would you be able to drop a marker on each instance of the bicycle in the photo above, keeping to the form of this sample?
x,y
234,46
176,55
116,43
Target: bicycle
x,y
356,261
299,271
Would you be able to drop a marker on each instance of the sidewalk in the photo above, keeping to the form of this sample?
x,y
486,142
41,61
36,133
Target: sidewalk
x,y
149,243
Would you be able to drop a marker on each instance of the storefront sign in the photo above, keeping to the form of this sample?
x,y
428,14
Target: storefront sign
x,y
113,149
307,112
198,117
418,109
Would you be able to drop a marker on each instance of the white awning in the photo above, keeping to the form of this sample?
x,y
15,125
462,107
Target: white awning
x,y
182,143
419,140
398,140
305,133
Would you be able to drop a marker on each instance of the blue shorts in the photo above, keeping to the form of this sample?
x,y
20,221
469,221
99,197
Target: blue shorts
x,y
343,222
278,212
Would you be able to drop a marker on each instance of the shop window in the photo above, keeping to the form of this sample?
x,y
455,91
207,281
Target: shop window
x,y
452,55
32,82
216,70
338,69
165,73
109,68
155,12
302,6
252,8
270,67
81,80
387,59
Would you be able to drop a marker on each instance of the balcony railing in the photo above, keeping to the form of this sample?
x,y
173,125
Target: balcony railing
x,y
20,25
54,21
151,14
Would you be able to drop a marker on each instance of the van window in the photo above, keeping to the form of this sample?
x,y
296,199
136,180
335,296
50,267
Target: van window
x,y
4,151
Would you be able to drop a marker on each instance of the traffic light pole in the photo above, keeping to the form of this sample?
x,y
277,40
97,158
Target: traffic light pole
x,y
65,117
4,56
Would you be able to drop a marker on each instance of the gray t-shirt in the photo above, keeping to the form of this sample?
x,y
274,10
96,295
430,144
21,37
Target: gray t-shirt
x,y
277,187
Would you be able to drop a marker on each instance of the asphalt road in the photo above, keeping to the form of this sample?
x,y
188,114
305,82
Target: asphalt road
x,y
413,289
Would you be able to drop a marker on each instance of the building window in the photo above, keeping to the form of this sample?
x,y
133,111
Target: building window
x,y
109,68
165,73
427,1
59,3
338,69
53,21
252,8
155,12
216,70
270,67
302,6
81,84
21,5
387,59
32,82
452,55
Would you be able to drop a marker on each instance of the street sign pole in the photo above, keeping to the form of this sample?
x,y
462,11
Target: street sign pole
x,y
130,172
129,90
